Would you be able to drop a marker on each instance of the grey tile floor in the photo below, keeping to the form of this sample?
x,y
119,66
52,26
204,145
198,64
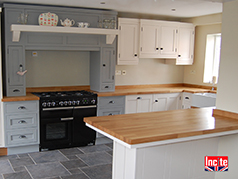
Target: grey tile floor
x,y
90,162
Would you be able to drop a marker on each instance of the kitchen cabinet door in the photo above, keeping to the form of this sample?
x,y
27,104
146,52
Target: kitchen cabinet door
x,y
16,63
168,43
128,41
138,103
185,45
108,65
165,102
149,39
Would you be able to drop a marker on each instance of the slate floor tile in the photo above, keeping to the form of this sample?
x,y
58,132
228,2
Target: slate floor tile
x,y
44,170
75,171
18,169
8,157
48,156
110,145
95,148
99,172
98,158
18,175
5,167
70,151
75,176
110,152
73,164
21,162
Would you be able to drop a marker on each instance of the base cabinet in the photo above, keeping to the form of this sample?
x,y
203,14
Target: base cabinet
x,y
138,103
153,102
21,126
165,102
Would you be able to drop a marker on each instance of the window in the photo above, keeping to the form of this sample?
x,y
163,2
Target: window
x,y
212,58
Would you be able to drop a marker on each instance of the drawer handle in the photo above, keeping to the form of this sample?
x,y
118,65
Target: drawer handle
x,y
156,101
21,121
16,90
138,97
22,137
106,86
22,107
67,119
111,102
110,114
186,97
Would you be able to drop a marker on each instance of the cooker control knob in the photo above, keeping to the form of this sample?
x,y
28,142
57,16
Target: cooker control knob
x,y
44,104
65,103
73,102
93,101
49,104
69,102
78,102
53,104
61,103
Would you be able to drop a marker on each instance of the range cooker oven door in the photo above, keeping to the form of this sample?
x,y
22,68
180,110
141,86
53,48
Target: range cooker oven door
x,y
56,128
83,135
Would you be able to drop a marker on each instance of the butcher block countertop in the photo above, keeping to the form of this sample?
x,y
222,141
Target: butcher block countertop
x,y
119,91
158,126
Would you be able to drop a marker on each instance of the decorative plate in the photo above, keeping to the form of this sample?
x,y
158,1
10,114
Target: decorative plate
x,y
48,19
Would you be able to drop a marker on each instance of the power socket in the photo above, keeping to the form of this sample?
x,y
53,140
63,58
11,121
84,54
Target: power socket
x,y
123,72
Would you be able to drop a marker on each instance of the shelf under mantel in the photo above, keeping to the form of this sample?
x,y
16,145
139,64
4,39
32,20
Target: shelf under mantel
x,y
17,29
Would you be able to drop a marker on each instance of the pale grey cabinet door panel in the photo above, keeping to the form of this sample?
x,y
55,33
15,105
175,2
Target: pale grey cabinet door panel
x,y
111,112
108,65
16,62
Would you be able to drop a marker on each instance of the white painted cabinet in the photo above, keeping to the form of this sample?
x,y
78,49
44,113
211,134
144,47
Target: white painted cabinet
x,y
138,103
165,102
128,41
149,38
158,39
186,100
165,39
168,40
185,44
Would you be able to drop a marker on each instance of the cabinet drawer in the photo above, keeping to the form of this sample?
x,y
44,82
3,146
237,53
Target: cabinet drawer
x,y
107,87
22,137
21,107
110,112
21,121
105,102
16,91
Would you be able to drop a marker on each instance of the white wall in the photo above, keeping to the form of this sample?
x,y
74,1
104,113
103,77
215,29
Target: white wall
x,y
57,68
227,95
150,71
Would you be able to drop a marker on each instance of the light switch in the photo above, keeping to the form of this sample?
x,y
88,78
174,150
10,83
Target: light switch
x,y
118,72
34,54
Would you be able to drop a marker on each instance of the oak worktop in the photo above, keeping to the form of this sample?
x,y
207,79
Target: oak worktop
x,y
119,91
157,126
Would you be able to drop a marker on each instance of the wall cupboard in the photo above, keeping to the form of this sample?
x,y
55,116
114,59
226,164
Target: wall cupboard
x,y
128,41
157,39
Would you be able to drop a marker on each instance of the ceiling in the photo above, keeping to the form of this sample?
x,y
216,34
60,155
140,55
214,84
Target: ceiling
x,y
174,8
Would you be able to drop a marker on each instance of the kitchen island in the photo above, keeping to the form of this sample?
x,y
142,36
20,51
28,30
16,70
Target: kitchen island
x,y
169,144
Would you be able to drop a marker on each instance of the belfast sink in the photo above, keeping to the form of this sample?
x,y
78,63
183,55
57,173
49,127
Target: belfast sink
x,y
203,100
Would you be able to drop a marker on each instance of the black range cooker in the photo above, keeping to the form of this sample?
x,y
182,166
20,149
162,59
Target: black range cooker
x,y
61,119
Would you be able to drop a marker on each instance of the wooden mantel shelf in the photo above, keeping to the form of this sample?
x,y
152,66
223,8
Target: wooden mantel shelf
x,y
17,29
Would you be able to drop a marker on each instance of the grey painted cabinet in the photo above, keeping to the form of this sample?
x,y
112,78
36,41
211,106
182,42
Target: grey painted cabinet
x,y
16,63
102,70
111,105
102,55
21,126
